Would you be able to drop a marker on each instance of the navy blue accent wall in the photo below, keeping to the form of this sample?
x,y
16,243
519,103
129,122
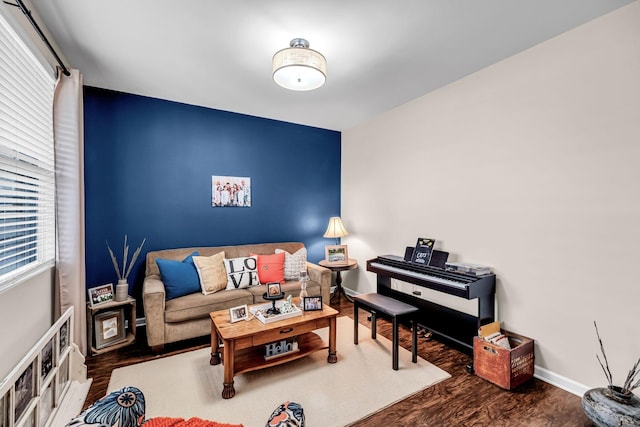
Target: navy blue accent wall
x,y
148,169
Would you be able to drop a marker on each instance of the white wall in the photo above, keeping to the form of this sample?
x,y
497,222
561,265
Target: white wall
x,y
530,166
25,315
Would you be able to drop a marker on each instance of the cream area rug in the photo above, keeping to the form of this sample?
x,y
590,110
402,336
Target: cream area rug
x,y
361,383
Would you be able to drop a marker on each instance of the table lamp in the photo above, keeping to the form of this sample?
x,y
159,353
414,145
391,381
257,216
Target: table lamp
x,y
335,229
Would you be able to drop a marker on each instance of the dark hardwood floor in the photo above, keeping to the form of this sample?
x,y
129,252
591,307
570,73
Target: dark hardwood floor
x,y
462,400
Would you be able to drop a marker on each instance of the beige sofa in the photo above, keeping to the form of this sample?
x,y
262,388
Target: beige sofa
x,y
188,316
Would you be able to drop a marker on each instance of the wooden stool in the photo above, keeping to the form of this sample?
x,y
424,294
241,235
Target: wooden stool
x,y
396,310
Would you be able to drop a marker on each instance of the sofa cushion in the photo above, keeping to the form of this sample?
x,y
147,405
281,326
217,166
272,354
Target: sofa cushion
x,y
270,268
294,263
197,306
242,272
179,277
212,272
290,287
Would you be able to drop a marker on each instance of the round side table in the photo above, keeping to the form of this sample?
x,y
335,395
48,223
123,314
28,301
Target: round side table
x,y
350,265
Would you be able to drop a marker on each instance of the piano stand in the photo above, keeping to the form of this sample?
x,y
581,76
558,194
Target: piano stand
x,y
352,264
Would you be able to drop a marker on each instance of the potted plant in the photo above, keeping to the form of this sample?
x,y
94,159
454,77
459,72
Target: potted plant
x,y
613,405
122,288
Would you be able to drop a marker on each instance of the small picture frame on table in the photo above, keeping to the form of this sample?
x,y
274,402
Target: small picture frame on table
x,y
100,294
238,313
336,254
273,289
312,303
109,328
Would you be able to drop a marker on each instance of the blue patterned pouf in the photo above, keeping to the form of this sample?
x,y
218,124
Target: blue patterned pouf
x,y
122,408
289,414
605,407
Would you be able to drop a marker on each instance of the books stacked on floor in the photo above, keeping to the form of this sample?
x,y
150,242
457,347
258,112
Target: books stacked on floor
x,y
466,268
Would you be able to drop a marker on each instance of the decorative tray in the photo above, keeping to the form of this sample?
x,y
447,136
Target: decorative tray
x,y
260,312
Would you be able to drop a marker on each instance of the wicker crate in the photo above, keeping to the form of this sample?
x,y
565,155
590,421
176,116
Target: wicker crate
x,y
504,368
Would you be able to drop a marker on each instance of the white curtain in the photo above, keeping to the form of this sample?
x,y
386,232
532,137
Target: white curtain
x,y
69,156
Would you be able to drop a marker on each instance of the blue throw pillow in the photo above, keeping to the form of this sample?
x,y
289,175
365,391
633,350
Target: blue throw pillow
x,y
180,278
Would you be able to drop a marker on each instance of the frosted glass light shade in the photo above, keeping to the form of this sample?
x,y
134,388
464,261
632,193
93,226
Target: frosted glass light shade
x,y
335,229
298,67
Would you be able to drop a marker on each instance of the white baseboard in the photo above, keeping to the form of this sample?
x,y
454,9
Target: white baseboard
x,y
559,381
72,404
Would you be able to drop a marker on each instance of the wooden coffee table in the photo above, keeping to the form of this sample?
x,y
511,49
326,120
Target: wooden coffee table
x,y
244,341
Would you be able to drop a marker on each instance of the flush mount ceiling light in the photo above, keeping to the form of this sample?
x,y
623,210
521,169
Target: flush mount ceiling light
x,y
298,67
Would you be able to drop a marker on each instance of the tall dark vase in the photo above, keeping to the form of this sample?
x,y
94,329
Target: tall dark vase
x,y
608,406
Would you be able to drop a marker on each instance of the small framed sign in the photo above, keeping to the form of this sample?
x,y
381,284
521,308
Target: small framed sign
x,y
312,303
336,254
100,294
109,328
238,313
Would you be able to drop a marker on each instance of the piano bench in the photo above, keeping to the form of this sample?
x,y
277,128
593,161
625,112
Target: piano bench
x,y
396,310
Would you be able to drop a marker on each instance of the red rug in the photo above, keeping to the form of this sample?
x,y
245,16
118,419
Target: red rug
x,y
181,422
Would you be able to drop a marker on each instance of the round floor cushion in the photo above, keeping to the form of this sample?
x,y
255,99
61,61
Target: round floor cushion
x,y
289,414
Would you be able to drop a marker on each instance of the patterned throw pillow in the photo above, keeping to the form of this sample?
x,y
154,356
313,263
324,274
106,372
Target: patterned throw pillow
x,y
289,414
124,407
270,268
212,272
294,263
242,272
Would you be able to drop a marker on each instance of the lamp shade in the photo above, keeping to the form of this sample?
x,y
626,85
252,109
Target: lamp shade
x,y
335,229
298,67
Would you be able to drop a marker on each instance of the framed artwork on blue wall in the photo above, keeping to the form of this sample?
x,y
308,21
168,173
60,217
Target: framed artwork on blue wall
x,y
230,191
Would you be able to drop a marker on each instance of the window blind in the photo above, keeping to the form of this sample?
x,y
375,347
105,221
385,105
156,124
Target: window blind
x,y
27,175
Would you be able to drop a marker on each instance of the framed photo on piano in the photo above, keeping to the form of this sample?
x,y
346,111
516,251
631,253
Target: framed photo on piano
x,y
336,254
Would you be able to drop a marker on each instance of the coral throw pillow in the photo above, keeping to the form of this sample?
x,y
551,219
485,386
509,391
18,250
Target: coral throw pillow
x,y
212,272
270,268
294,263
242,272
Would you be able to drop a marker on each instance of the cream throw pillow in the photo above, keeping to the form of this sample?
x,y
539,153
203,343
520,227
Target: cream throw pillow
x,y
294,263
213,274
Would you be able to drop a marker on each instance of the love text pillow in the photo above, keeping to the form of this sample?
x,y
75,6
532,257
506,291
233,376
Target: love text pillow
x,y
242,272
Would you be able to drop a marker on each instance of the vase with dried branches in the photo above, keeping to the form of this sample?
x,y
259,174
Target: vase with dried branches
x,y
613,405
122,288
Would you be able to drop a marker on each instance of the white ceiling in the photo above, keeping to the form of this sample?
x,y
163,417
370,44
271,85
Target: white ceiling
x,y
380,53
